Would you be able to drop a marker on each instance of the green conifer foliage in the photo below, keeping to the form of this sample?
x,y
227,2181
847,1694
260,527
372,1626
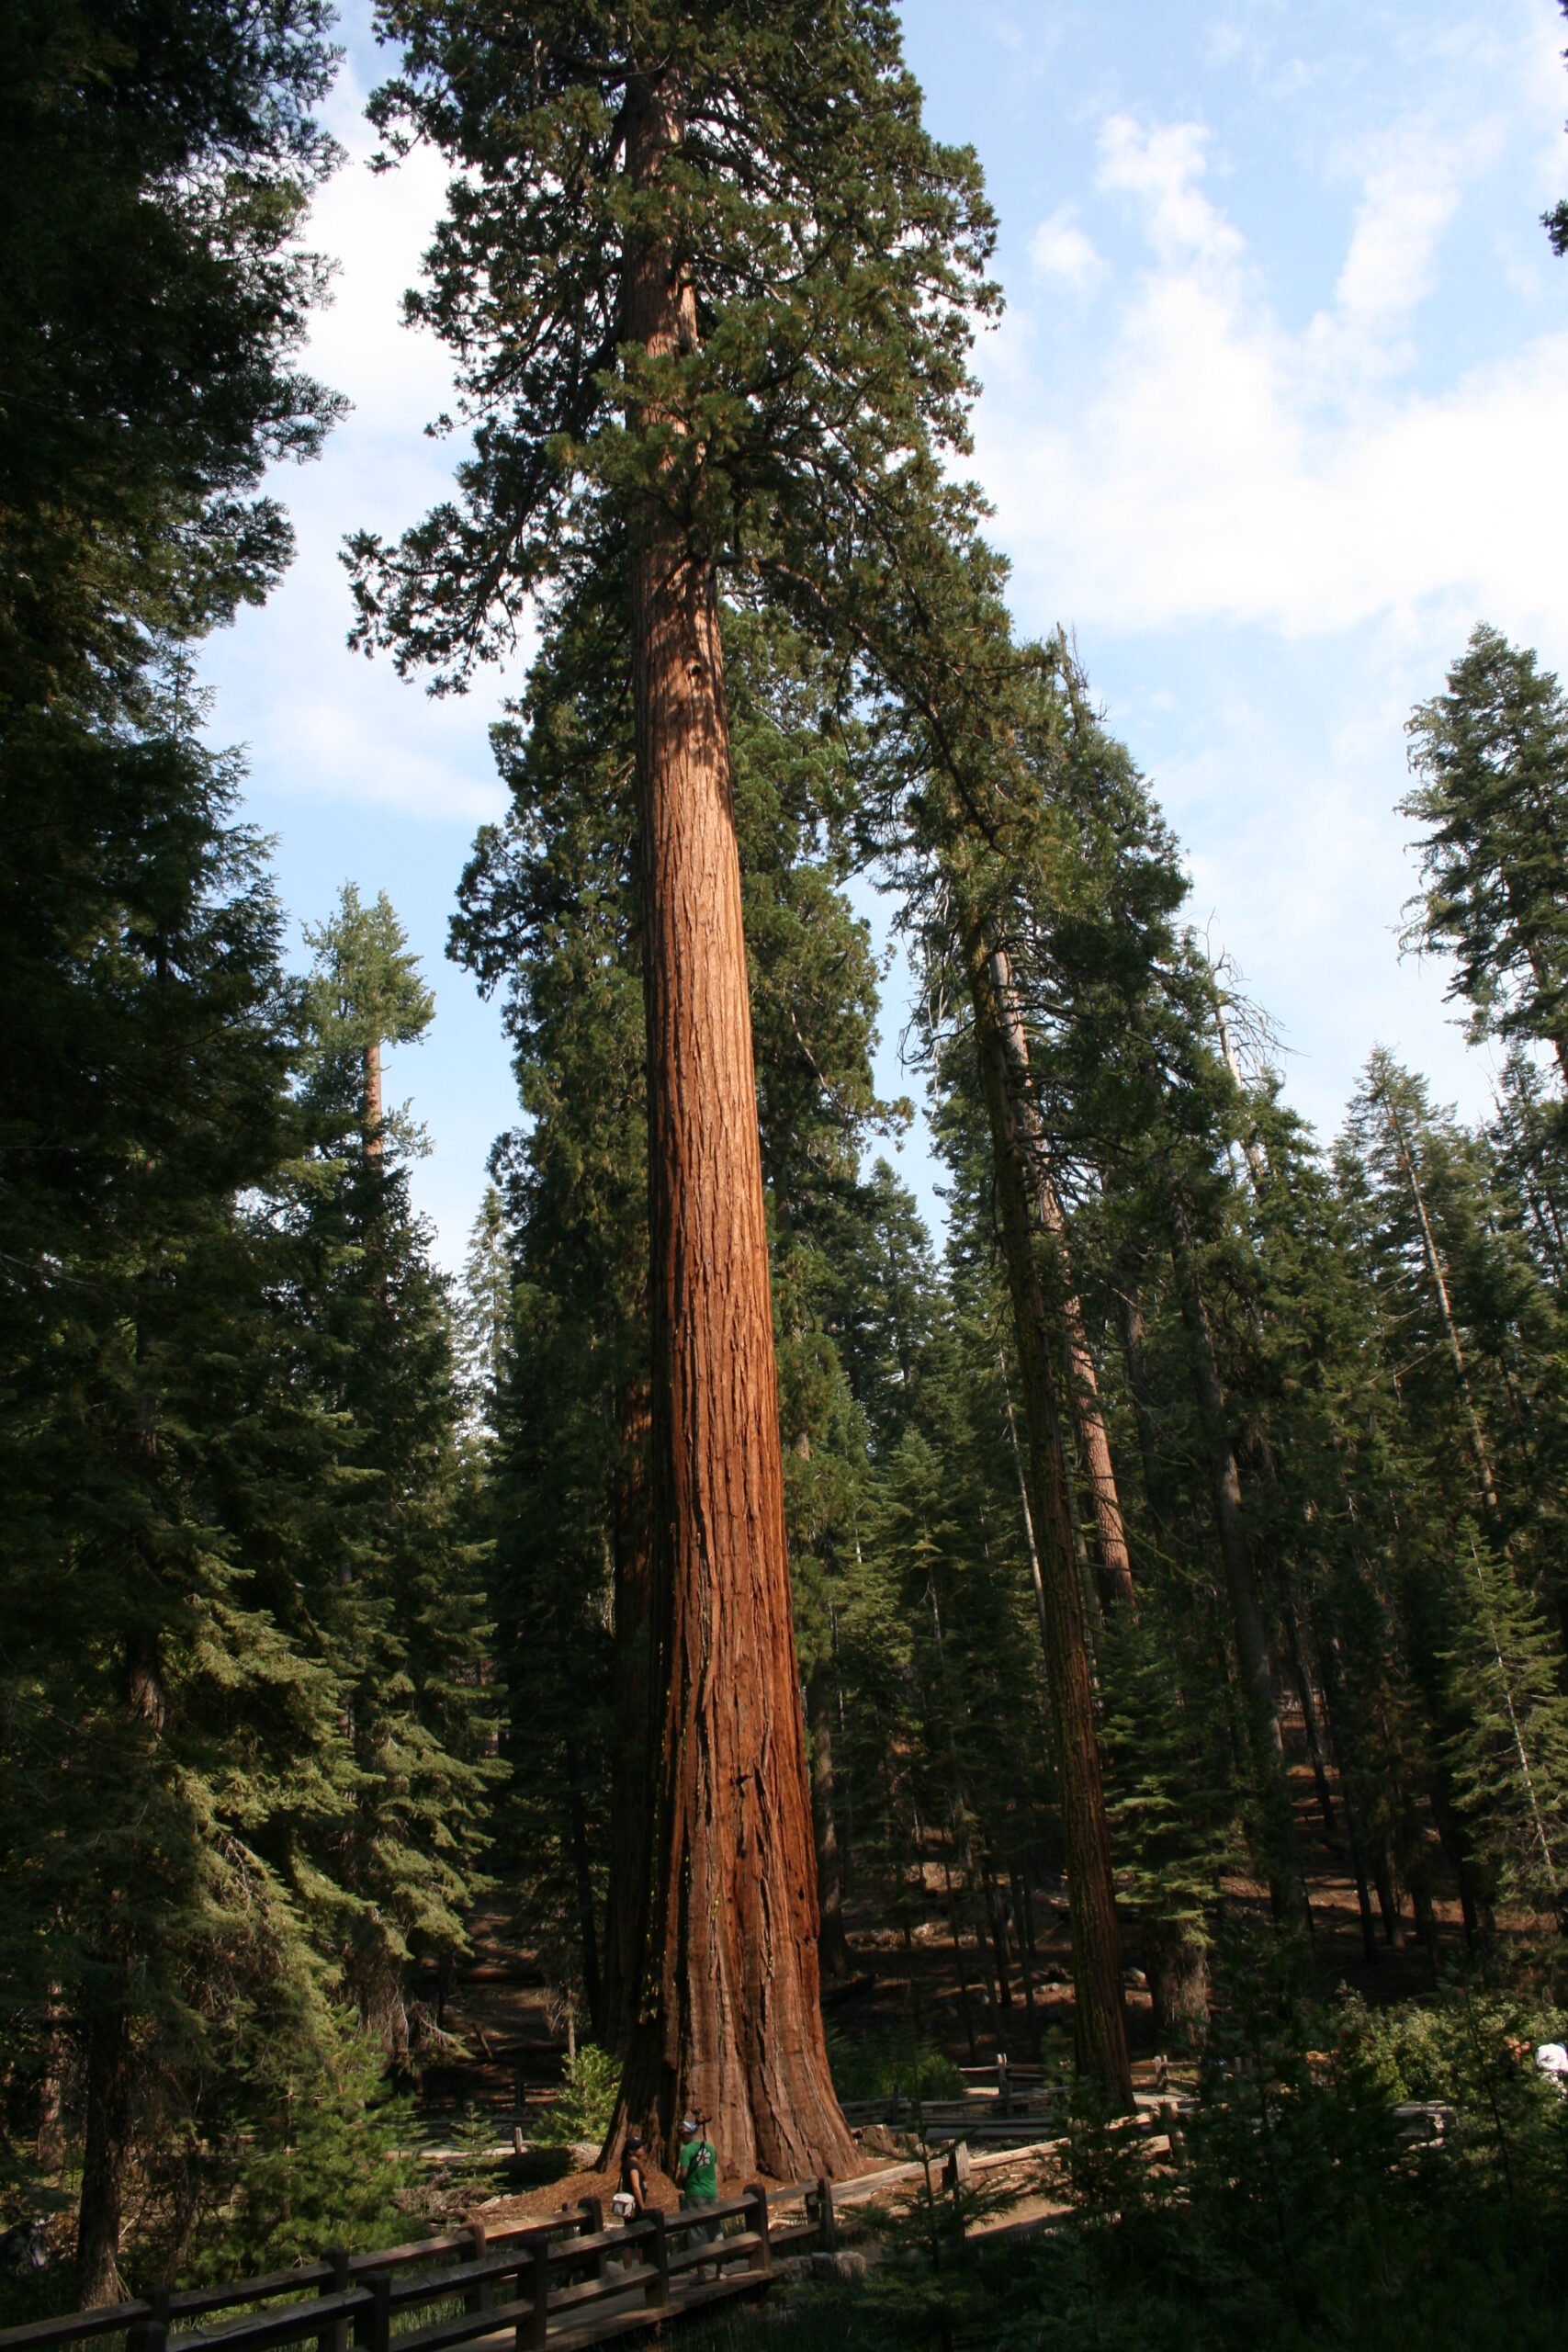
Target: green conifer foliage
x,y
167,1737
836,255
1510,1758
396,1593
152,293
1492,757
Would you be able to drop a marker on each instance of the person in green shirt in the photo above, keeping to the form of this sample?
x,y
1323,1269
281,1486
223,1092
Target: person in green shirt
x,y
696,2171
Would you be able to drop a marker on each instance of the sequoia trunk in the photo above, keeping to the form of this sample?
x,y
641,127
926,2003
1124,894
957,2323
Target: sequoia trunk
x,y
730,2026
1099,2020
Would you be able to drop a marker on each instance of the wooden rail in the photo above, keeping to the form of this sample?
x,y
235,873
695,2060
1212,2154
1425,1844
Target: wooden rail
x,y
561,2283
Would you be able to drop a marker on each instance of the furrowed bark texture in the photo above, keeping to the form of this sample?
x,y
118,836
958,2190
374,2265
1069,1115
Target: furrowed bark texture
x,y
731,2026
1112,1564
1099,2020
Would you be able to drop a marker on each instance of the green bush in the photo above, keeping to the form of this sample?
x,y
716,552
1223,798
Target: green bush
x,y
1298,2218
868,2065
320,2164
583,2111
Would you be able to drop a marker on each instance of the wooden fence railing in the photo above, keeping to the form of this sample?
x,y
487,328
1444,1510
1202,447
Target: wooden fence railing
x,y
565,2282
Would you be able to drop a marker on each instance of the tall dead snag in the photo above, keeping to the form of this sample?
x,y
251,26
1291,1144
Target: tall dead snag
x,y
1101,2023
1114,1567
730,2025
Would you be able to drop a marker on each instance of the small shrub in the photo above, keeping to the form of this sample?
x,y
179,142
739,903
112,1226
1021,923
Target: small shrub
x,y
583,2111
869,2066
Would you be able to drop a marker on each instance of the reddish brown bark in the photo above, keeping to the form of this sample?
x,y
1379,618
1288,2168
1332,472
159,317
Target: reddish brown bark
x,y
1112,1563
1099,2018
731,2024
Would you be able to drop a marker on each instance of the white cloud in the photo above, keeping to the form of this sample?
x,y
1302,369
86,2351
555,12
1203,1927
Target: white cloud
x,y
1162,167
1059,250
1208,463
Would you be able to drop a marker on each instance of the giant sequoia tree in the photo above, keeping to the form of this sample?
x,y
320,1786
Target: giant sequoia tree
x,y
708,283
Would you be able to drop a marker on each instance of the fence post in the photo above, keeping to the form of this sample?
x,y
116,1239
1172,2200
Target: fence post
x,y
477,2297
657,2291
379,2318
594,2227
147,2335
827,2219
761,2258
333,2337
539,2289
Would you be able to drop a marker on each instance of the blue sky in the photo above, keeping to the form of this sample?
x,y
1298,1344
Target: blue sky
x,y
1274,416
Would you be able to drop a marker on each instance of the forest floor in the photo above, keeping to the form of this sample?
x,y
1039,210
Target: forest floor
x,y
477,2106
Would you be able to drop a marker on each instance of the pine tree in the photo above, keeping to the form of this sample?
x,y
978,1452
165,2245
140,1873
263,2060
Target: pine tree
x,y
149,1446
1510,1759
151,295
1492,757
402,1617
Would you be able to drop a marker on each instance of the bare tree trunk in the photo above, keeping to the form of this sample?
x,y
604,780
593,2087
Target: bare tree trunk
x,y
962,1973
373,1115
832,1945
1302,1676
730,2023
1451,1330
1329,1661
996,1922
50,2146
587,1918
104,2157
1130,1314
1018,1880
1388,1898
1033,1549
1100,2018
634,1730
1262,1709
1113,1567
